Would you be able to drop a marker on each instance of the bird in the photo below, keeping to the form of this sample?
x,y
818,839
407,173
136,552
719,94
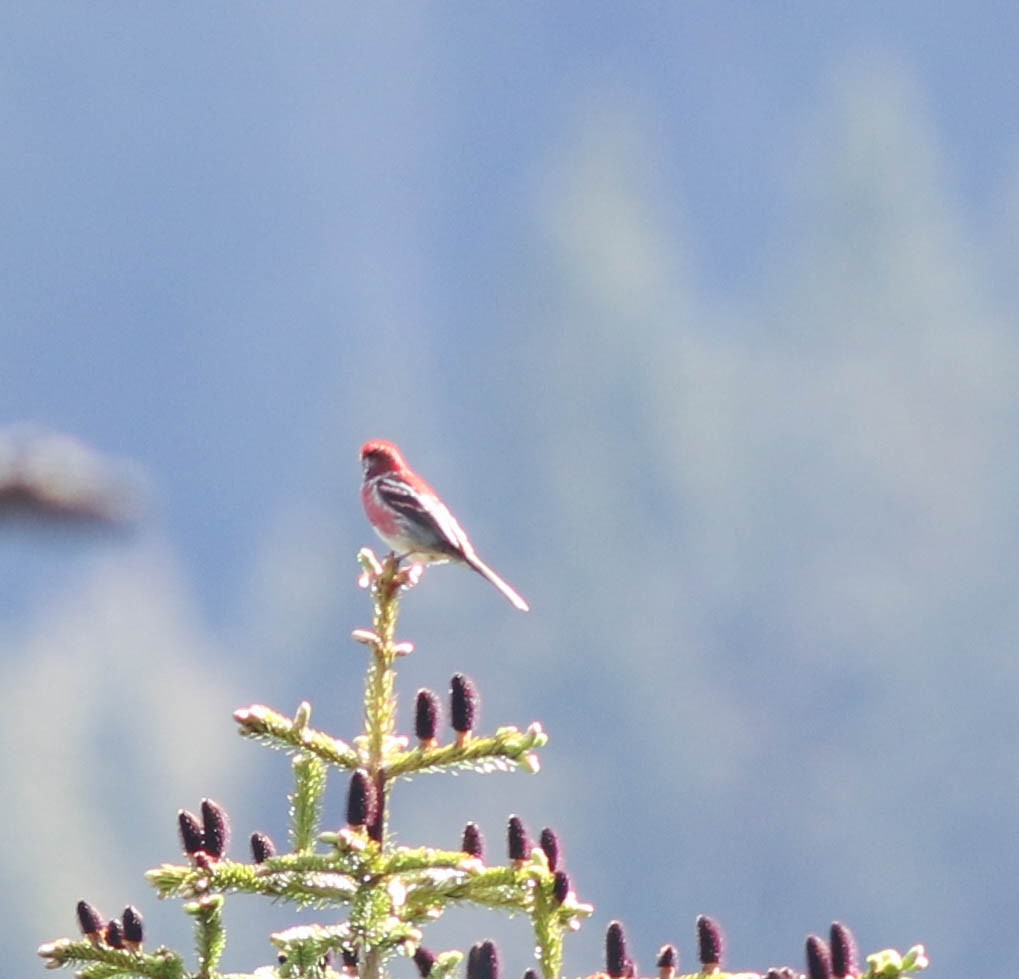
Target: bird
x,y
412,519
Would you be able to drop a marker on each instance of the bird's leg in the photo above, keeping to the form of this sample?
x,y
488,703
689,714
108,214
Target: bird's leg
x,y
408,577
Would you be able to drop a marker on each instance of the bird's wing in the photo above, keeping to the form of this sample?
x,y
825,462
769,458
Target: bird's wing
x,y
429,515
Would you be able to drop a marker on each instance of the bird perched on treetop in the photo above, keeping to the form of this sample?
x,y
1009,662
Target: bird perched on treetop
x,y
411,518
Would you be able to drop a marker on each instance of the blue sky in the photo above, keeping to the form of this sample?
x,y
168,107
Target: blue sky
x,y
702,315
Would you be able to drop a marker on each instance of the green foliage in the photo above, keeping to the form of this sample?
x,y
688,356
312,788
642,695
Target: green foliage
x,y
889,964
210,935
97,961
380,897
387,894
306,803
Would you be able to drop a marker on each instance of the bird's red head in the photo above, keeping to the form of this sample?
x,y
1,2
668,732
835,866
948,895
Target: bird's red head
x,y
379,456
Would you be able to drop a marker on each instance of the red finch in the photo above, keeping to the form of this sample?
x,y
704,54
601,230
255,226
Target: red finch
x,y
409,516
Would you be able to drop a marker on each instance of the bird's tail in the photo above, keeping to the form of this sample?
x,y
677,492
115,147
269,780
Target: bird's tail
x,y
485,571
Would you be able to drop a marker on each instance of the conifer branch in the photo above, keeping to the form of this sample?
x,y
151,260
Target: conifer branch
x,y
306,801
506,750
271,728
388,893
210,935
98,961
